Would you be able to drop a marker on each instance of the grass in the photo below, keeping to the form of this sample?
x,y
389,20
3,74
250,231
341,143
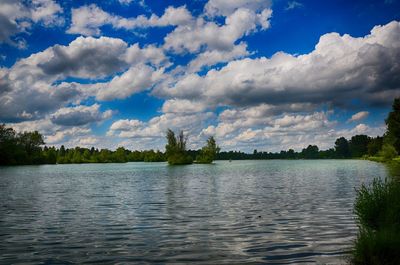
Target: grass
x,y
377,207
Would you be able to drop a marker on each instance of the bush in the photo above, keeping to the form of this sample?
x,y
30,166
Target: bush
x,y
377,248
180,159
388,152
378,214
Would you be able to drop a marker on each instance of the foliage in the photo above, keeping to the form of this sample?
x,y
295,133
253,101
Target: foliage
x,y
393,125
175,150
342,148
378,214
375,145
208,152
359,145
388,152
311,152
20,148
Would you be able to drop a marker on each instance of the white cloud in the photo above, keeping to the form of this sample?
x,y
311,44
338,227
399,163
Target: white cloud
x,y
183,106
34,86
152,132
359,116
136,79
88,20
200,33
227,7
339,69
46,11
17,17
84,57
293,5
125,125
79,115
210,58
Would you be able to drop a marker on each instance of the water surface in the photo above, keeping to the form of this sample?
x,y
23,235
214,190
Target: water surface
x,y
243,212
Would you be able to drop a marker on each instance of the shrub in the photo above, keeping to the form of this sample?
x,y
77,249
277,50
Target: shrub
x,y
377,207
388,152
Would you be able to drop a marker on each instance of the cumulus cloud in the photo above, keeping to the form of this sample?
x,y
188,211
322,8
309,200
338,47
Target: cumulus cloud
x,y
194,36
136,79
359,116
85,58
34,86
210,58
88,20
18,17
293,5
79,115
53,134
227,7
250,128
152,132
339,69
183,106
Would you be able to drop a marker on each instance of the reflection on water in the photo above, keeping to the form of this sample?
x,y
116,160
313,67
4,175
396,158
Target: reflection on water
x,y
244,212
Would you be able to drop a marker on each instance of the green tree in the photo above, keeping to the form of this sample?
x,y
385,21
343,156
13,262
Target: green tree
x,y
392,135
209,152
176,149
120,155
8,146
311,152
342,148
50,155
358,145
388,152
375,145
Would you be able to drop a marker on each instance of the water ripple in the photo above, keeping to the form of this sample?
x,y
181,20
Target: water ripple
x,y
244,212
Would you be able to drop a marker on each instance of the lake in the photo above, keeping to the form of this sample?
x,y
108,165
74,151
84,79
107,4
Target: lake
x,y
239,212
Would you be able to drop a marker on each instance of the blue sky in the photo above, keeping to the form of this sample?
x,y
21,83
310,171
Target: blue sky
x,y
256,74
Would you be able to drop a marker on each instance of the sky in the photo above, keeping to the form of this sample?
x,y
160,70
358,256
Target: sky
x,y
255,74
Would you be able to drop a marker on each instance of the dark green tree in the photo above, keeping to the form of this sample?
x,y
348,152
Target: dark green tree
x,y
311,152
176,149
358,145
210,151
8,146
342,148
392,135
375,145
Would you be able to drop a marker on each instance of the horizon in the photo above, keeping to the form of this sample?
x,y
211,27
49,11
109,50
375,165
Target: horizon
x,y
265,75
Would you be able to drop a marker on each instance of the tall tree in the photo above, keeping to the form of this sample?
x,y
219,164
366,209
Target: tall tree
x,y
342,148
375,145
209,152
311,152
175,149
392,135
358,145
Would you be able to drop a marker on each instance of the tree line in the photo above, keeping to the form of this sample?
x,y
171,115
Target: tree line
x,y
27,148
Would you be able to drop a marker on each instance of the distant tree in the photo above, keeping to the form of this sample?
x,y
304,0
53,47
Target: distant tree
x,y
176,149
342,148
119,155
290,154
375,145
50,155
210,151
31,143
358,145
151,156
388,152
311,152
8,146
392,135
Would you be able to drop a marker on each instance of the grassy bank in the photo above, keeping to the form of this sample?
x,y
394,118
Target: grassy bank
x,y
377,208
